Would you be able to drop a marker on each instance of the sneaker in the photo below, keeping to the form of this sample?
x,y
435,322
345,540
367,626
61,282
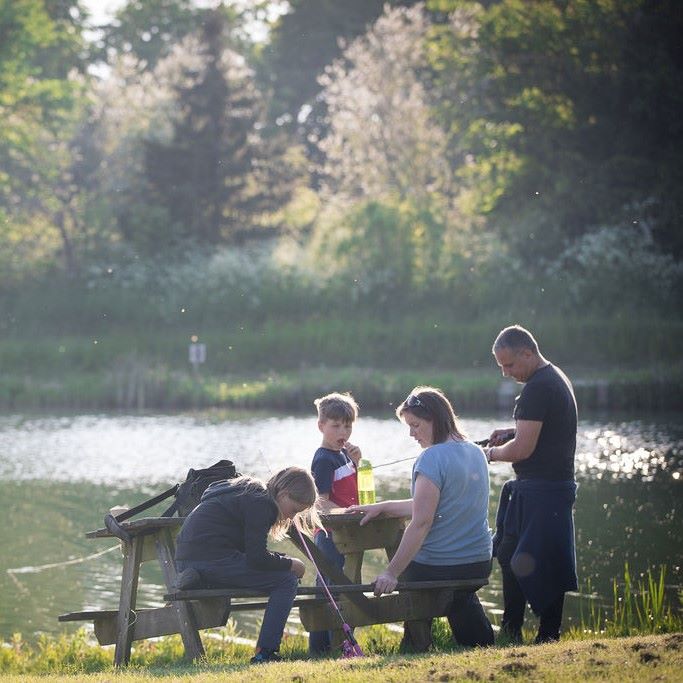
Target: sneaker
x,y
188,579
510,636
264,656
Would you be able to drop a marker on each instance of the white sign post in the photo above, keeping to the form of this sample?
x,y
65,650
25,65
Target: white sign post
x,y
197,355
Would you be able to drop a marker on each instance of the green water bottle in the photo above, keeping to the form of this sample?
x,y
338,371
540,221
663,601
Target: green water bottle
x,y
366,482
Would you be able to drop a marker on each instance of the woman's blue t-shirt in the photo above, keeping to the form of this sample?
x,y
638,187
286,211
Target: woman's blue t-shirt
x,y
460,532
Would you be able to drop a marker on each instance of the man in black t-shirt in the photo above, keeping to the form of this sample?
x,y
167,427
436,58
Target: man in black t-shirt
x,y
534,540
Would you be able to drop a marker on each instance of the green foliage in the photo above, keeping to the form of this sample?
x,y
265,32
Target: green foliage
x,y
39,48
305,40
205,175
637,608
148,29
45,156
556,123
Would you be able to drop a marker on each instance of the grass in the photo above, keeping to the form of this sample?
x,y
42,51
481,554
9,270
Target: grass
x,y
637,659
97,350
640,611
136,384
637,607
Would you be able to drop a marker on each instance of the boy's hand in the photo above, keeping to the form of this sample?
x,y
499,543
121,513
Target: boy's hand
x,y
298,567
353,452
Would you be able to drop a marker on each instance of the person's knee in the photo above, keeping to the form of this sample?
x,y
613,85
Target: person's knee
x,y
291,580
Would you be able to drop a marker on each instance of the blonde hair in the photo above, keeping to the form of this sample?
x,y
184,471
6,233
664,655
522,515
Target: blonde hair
x,y
298,484
336,406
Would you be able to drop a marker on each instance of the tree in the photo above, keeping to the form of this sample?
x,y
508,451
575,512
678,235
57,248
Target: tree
x,y
303,41
382,138
386,177
41,53
563,114
148,30
213,175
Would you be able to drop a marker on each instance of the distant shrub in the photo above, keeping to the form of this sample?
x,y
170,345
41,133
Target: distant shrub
x,y
618,266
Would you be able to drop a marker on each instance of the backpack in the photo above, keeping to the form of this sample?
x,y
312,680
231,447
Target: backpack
x,y
187,496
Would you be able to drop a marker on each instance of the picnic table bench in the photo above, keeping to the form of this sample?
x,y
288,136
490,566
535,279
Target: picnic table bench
x,y
187,612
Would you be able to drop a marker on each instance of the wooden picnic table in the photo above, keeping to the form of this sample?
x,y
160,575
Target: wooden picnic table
x,y
187,612
414,604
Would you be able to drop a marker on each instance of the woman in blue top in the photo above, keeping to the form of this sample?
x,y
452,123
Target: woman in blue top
x,y
448,536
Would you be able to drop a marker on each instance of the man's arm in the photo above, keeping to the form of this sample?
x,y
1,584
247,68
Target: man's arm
x,y
521,446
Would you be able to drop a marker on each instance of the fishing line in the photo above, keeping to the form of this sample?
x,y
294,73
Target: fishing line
x,y
483,442
54,565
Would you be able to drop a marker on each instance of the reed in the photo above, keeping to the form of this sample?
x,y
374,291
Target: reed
x,y
638,607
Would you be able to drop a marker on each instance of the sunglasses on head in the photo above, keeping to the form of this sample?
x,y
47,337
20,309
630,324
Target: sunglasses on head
x,y
414,401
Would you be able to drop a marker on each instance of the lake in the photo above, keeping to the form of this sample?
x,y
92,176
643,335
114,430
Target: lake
x,y
59,475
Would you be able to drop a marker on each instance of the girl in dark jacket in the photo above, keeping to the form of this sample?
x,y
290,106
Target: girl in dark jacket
x,y
223,544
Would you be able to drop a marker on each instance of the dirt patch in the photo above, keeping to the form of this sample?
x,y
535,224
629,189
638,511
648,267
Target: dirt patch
x,y
597,662
518,668
599,646
517,654
648,657
674,641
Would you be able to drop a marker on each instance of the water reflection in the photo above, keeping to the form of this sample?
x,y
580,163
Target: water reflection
x,y
59,475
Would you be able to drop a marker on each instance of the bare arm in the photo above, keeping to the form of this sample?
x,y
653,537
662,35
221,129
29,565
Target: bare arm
x,y
521,446
425,501
325,504
387,508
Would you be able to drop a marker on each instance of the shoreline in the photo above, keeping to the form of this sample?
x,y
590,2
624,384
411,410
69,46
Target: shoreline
x,y
143,388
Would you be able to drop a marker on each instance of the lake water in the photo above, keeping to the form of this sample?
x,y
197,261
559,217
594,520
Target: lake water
x,y
59,475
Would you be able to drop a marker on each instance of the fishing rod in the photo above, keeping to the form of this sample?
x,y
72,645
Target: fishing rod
x,y
483,443
350,646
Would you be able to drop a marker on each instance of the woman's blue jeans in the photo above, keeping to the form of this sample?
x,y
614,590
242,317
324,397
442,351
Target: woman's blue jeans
x,y
233,572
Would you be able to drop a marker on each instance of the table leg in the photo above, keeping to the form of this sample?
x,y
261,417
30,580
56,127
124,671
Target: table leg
x,y
353,565
186,617
128,597
417,636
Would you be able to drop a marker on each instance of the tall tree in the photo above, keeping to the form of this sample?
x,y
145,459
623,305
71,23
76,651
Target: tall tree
x,y
206,174
386,170
564,114
148,29
41,53
303,41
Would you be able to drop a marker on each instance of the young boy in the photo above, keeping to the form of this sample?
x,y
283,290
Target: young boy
x,y
334,472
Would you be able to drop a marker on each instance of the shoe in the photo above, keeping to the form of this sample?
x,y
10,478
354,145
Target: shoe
x,y
188,579
264,656
546,638
510,636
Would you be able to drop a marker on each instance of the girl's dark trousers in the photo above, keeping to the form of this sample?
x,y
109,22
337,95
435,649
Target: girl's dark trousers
x,y
233,572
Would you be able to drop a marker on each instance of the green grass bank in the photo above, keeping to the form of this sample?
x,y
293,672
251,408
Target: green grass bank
x,y
285,364
595,658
